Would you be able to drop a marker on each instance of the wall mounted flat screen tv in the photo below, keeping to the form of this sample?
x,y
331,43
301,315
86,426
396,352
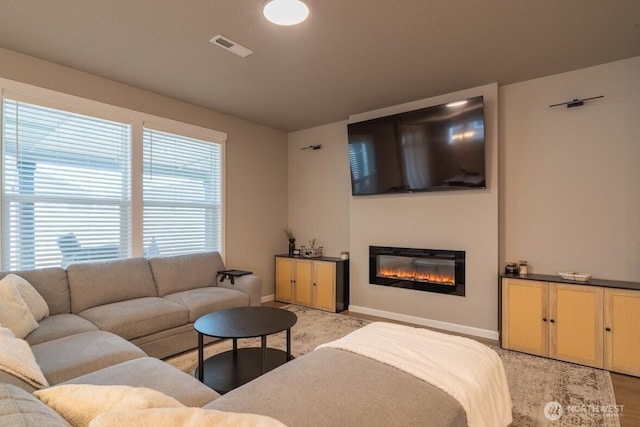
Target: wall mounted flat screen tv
x,y
430,149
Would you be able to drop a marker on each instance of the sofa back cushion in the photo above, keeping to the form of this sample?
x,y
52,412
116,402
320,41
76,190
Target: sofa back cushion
x,y
184,272
98,283
51,284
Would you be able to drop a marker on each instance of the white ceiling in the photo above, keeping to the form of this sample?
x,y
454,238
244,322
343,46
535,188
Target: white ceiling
x,y
350,56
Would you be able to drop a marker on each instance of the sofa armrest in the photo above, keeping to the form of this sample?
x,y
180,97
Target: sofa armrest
x,y
249,284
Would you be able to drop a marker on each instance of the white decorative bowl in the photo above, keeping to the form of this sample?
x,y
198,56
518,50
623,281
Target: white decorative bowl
x,y
572,275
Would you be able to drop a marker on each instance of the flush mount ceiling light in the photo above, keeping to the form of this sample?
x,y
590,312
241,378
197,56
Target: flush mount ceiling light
x,y
285,12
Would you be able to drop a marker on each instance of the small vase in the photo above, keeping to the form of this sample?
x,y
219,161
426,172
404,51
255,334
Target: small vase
x,y
292,246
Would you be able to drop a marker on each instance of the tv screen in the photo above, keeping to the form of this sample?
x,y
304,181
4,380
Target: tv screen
x,y
430,149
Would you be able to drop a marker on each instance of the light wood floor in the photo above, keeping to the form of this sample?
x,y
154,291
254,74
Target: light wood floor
x,y
627,390
625,387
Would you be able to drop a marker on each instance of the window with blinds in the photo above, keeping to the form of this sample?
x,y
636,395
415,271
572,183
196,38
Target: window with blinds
x,y
65,187
182,194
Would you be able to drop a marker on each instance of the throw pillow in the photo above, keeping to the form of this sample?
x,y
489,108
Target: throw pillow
x,y
17,359
80,403
30,295
183,417
14,312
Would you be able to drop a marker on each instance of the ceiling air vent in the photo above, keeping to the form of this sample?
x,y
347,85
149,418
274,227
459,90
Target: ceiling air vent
x,y
231,46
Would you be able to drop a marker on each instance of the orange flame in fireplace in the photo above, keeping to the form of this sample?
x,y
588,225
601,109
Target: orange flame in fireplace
x,y
399,273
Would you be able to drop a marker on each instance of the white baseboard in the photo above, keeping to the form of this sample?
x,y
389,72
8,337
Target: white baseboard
x,y
437,324
268,298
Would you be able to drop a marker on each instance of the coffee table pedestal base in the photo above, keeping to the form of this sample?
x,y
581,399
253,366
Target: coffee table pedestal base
x,y
226,371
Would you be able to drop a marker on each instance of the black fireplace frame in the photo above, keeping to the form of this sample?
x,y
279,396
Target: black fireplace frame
x,y
457,256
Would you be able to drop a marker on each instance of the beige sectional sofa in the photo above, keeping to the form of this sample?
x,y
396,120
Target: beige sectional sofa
x,y
110,322
150,302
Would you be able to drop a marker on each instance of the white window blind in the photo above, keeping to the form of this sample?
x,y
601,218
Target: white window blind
x,y
65,187
182,194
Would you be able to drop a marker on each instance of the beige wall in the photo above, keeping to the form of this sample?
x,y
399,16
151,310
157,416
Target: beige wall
x,y
319,187
570,178
256,157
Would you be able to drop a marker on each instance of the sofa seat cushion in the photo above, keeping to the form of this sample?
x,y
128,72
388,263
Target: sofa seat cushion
x,y
20,408
79,354
58,326
152,373
137,317
205,300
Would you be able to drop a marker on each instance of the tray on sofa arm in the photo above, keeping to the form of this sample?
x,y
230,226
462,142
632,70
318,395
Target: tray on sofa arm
x,y
232,274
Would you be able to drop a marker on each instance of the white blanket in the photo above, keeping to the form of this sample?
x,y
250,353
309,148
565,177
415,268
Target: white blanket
x,y
468,371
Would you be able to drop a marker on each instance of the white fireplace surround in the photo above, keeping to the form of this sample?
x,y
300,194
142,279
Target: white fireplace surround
x,y
464,220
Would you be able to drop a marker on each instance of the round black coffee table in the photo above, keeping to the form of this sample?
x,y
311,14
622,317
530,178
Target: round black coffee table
x,y
225,371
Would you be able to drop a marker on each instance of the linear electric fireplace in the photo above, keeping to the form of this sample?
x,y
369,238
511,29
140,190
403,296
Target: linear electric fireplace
x,y
431,270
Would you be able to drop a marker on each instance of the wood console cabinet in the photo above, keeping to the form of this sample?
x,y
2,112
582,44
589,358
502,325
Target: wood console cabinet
x,y
321,283
587,324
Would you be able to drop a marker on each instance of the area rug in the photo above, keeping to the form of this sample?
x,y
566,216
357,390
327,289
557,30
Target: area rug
x,y
585,395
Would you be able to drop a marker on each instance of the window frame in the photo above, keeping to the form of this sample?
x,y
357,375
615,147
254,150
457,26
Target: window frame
x,y
137,120
162,127
97,177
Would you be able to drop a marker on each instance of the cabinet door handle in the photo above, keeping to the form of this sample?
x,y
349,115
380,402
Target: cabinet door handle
x,y
314,284
544,319
552,321
608,329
